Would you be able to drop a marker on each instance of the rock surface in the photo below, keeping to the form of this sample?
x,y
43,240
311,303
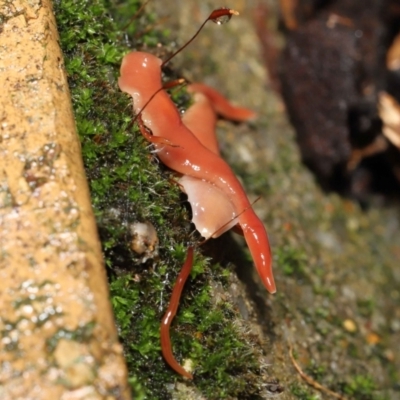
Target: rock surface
x,y
337,268
55,342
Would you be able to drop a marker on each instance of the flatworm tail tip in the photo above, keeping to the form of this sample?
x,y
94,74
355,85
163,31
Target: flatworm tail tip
x,y
166,347
269,282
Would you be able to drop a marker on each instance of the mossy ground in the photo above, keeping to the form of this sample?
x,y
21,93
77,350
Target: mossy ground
x,y
128,184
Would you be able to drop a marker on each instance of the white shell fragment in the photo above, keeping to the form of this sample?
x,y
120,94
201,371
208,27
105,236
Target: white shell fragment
x,y
144,240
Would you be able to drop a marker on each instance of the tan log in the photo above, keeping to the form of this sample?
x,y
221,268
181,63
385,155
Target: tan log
x,y
58,338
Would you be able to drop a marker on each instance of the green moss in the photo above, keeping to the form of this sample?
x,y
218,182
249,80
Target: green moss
x,y
127,184
302,393
360,387
292,261
316,371
366,307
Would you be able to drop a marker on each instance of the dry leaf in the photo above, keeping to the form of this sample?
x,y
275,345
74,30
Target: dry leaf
x,y
389,111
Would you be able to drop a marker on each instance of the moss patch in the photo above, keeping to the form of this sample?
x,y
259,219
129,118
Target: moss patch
x,y
128,184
